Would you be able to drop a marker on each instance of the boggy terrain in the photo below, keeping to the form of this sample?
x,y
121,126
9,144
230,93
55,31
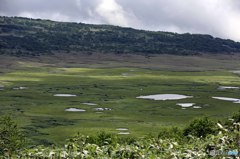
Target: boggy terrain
x,y
55,97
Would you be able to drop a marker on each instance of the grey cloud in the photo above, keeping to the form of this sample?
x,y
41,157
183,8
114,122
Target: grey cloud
x,y
216,17
212,17
68,10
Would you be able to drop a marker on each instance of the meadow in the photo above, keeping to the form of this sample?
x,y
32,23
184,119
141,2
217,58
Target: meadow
x,y
28,89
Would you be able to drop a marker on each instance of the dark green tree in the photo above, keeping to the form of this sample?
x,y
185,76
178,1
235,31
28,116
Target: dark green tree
x,y
11,137
200,127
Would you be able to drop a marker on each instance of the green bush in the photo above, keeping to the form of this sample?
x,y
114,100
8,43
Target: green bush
x,y
200,127
11,138
236,116
174,132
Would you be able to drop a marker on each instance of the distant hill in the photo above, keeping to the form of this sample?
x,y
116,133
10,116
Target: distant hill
x,y
24,36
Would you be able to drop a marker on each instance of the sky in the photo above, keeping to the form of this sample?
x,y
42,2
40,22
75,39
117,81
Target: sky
x,y
220,18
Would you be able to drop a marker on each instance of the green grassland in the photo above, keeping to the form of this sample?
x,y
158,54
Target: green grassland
x,y
45,120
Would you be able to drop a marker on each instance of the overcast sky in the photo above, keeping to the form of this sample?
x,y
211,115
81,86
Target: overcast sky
x,y
219,18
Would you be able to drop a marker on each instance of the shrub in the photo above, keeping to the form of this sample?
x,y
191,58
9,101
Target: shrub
x,y
200,127
11,138
236,116
174,132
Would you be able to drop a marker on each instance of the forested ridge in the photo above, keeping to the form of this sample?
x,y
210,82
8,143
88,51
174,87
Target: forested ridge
x,y
24,36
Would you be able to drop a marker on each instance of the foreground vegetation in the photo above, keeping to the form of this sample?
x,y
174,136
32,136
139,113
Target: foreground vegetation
x,y
202,138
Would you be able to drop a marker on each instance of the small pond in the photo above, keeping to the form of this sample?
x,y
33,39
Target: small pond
x,y
165,97
74,110
65,95
234,100
91,104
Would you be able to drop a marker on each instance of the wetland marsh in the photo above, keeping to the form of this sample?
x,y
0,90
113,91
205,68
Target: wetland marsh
x,y
53,103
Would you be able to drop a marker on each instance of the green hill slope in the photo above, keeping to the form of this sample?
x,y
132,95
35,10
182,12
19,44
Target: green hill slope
x,y
23,36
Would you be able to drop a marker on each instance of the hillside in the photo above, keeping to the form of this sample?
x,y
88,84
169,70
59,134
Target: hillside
x,y
23,36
